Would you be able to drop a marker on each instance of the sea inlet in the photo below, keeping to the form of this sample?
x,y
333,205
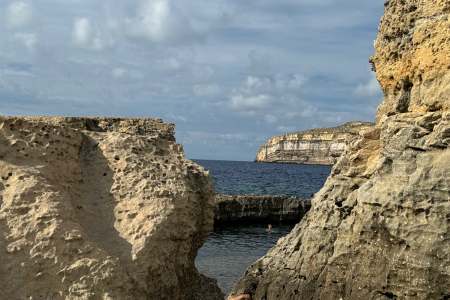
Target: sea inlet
x,y
231,249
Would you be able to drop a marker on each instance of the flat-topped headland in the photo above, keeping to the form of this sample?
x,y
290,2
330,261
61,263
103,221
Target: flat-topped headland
x,y
379,228
321,146
100,208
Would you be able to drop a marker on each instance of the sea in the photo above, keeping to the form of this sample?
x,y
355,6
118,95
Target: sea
x,y
229,251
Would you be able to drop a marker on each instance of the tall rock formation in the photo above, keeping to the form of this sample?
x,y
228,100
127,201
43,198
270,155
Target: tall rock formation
x,y
322,146
379,228
100,209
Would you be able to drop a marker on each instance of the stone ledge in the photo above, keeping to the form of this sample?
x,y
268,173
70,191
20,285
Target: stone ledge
x,y
244,209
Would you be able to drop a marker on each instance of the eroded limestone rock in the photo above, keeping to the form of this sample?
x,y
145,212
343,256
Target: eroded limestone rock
x,y
379,229
100,209
321,146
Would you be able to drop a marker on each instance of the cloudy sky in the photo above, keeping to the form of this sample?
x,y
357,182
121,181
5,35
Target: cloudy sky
x,y
229,73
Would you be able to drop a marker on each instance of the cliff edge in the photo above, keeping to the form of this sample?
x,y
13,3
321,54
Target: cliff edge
x,y
322,146
100,208
379,228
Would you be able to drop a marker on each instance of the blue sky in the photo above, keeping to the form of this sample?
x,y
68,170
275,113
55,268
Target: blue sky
x,y
229,73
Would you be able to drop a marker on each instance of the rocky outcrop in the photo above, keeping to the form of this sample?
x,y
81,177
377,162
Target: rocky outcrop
x,y
100,209
380,227
322,146
239,209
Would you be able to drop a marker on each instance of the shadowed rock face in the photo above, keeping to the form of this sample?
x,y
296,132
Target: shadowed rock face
x,y
100,209
321,146
379,228
262,209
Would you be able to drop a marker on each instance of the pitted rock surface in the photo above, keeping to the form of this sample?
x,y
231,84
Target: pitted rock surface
x,y
100,208
322,146
379,228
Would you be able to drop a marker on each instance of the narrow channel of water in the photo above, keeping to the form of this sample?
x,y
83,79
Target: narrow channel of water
x,y
228,252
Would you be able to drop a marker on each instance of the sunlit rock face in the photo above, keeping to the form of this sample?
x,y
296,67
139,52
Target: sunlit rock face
x,y
379,228
100,209
322,146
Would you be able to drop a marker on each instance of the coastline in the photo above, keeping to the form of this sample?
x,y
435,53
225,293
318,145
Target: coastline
x,y
293,162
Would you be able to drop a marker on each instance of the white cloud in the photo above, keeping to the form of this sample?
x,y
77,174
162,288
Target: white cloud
x,y
19,14
160,21
257,82
29,40
84,35
292,82
250,103
126,74
258,94
369,89
119,72
275,83
209,63
82,31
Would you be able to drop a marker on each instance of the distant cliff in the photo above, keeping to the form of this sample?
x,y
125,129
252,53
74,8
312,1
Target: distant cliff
x,y
316,146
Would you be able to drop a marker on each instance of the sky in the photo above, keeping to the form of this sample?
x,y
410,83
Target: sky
x,y
228,73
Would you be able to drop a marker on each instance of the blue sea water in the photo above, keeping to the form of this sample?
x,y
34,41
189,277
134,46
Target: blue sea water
x,y
229,251
238,178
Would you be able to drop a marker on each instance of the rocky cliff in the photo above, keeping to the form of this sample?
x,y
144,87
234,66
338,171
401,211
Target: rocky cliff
x,y
379,228
100,209
239,209
321,146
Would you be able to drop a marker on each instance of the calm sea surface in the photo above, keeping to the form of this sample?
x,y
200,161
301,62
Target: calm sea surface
x,y
237,178
229,251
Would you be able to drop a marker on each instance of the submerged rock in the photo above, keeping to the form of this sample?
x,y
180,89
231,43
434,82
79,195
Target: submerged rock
x,y
379,228
97,208
321,146
239,209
